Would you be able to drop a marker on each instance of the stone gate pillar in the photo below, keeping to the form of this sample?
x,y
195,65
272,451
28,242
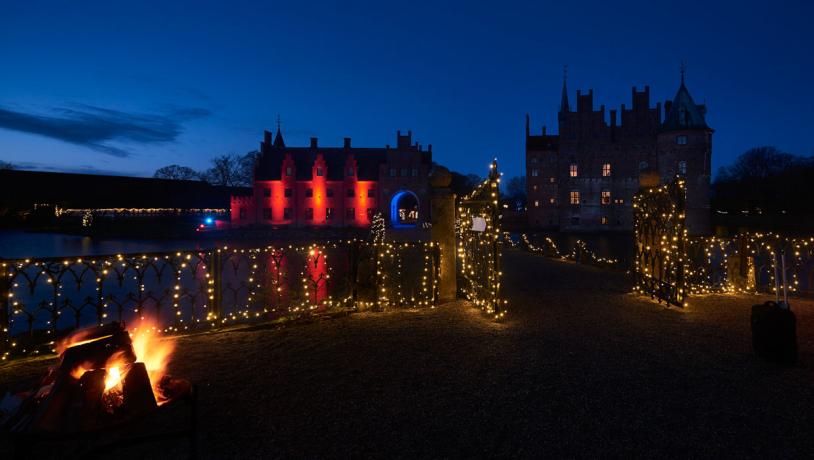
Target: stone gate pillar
x,y
442,212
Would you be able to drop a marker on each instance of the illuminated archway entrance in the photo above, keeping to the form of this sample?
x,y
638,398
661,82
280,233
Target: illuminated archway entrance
x,y
404,209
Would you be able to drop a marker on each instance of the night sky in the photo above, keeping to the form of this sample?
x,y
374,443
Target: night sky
x,y
127,87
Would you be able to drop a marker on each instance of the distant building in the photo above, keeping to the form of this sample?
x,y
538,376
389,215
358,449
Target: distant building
x,y
584,177
336,186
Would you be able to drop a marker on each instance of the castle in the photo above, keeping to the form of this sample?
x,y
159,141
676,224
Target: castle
x,y
584,177
344,186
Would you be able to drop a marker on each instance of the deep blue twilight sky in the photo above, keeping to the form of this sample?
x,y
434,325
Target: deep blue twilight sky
x,y
127,87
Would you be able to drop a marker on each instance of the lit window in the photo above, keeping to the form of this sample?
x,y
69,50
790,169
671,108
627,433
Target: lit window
x,y
574,197
604,220
534,187
682,167
681,140
350,213
606,197
535,172
309,214
329,213
288,170
350,193
309,192
536,203
552,200
319,171
573,170
606,171
552,179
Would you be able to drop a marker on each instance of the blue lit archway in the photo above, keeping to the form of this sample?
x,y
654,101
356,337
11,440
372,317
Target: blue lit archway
x,y
404,211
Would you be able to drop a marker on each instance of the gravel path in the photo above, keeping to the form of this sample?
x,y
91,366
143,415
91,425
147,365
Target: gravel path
x,y
580,369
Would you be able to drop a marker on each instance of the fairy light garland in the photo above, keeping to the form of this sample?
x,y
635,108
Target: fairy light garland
x,y
660,237
206,269
479,253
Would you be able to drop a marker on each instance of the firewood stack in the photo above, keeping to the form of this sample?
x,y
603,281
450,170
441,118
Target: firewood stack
x,y
98,382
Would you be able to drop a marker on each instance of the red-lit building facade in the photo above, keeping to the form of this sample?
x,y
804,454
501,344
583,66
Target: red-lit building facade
x,y
336,186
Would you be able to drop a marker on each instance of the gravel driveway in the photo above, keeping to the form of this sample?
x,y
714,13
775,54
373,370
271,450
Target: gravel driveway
x,y
580,369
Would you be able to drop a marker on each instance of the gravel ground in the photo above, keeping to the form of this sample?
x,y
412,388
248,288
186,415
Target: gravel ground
x,y
580,369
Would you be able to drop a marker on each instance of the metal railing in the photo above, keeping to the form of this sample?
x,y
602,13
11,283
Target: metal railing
x,y
41,299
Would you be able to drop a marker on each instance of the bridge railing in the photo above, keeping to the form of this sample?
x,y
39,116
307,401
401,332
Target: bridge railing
x,y
43,298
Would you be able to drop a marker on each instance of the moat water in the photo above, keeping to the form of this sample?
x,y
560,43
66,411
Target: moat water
x,y
18,244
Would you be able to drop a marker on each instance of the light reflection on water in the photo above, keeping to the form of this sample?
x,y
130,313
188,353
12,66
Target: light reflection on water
x,y
17,244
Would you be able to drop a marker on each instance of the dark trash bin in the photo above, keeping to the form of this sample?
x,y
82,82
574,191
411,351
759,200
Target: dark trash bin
x,y
774,333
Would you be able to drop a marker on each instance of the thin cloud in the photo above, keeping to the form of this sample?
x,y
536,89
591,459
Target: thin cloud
x,y
95,127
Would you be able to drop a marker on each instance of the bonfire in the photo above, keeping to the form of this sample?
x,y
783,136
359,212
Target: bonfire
x,y
106,375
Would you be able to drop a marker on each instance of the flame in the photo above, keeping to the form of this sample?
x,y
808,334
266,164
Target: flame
x,y
154,352
113,378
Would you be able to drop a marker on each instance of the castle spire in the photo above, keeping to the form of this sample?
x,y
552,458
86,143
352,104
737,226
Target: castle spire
x,y
564,107
278,138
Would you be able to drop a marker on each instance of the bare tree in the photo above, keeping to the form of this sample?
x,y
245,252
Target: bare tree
x,y
516,191
757,164
177,173
232,170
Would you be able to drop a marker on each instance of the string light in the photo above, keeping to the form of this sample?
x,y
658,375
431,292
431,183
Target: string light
x,y
262,282
479,252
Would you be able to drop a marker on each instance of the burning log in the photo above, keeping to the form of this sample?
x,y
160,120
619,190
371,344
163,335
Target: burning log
x,y
103,376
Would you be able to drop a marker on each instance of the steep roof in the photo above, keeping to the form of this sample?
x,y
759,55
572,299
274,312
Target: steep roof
x,y
685,113
270,161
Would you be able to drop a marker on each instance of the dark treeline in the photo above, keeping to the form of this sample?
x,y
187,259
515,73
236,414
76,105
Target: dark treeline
x,y
765,189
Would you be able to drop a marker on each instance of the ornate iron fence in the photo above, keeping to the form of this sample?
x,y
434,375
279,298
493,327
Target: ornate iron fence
x,y
41,299
660,242
480,245
749,262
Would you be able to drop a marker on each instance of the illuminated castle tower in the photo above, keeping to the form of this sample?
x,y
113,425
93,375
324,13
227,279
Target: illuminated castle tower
x,y
584,177
685,148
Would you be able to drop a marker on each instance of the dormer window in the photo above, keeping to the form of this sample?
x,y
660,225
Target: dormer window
x,y
681,140
288,170
319,171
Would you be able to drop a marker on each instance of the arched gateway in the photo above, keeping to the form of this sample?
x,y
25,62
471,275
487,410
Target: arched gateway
x,y
404,209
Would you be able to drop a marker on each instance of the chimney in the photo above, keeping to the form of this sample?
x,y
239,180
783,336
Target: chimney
x,y
267,137
668,104
313,142
613,118
347,142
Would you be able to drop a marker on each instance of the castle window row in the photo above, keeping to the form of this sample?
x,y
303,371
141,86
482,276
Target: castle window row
x,y
350,213
309,193
405,172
